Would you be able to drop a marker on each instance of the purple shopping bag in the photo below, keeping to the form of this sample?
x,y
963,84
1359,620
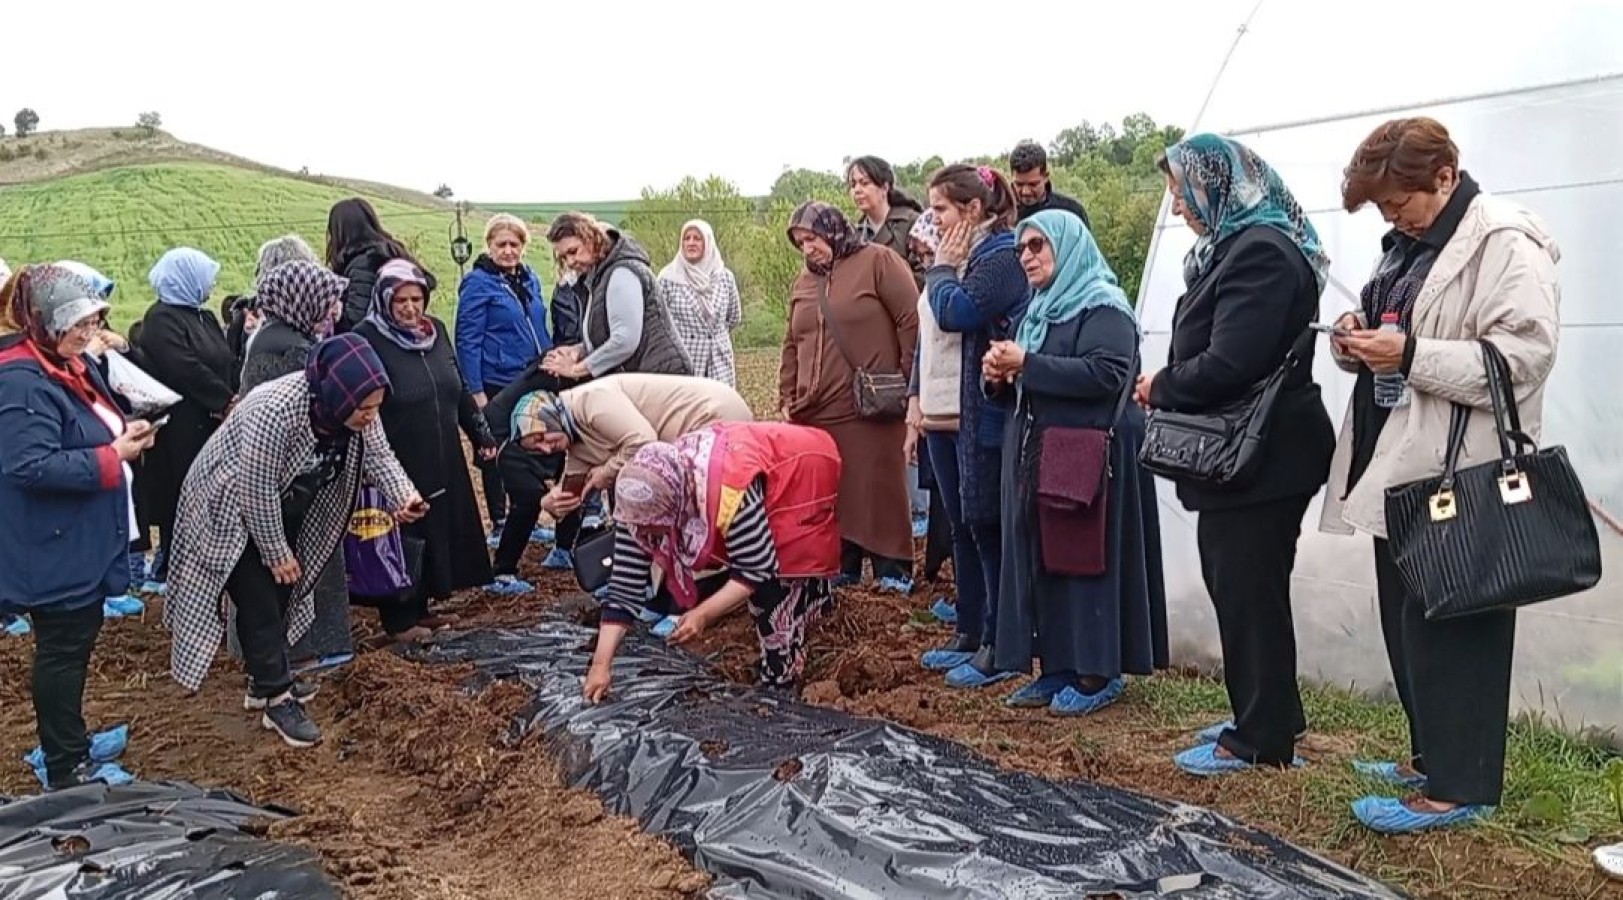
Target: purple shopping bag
x,y
373,553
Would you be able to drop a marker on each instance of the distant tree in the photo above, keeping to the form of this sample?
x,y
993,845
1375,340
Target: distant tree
x,y
444,192
26,121
305,171
149,123
2,131
39,153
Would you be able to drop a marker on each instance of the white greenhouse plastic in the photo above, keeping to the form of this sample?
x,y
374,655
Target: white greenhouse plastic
x,y
1535,101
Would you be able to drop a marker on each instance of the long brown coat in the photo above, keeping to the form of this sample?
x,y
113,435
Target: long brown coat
x,y
873,299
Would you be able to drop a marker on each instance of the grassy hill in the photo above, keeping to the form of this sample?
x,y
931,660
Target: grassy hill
x,y
120,220
611,211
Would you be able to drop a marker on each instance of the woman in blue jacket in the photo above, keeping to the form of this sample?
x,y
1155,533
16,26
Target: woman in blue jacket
x,y
66,512
501,328
976,289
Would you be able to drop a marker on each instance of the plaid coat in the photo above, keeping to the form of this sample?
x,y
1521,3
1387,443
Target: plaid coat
x,y
233,494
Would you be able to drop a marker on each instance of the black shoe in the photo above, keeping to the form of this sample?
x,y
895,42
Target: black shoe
x,y
301,692
287,718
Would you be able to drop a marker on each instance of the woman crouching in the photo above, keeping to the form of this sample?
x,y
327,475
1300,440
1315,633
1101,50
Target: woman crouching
x,y
264,508
755,499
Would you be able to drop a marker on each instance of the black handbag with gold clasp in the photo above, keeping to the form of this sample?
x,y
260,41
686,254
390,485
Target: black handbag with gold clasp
x,y
1499,535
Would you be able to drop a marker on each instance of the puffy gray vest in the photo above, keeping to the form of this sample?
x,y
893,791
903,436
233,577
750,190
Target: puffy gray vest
x,y
660,352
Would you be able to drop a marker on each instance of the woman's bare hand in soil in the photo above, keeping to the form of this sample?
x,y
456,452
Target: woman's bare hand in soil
x,y
598,679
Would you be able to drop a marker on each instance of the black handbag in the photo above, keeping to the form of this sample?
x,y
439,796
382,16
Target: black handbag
x,y
879,395
1498,535
1223,447
594,558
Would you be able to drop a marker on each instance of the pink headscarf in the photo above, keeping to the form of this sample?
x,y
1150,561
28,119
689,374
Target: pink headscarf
x,y
661,495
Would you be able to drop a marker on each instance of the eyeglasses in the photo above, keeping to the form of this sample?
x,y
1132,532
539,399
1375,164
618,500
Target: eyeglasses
x,y
88,326
1033,245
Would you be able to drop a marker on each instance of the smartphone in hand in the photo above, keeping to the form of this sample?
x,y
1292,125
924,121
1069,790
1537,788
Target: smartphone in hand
x,y
575,483
1329,328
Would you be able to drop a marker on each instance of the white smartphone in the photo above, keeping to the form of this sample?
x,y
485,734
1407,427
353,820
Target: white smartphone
x,y
1328,328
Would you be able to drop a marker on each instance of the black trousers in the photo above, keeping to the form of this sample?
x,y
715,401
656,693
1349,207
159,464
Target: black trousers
x,y
1246,559
1453,678
523,513
63,640
261,624
938,543
852,556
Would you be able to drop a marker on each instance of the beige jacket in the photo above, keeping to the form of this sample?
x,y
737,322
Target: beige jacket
x,y
1494,280
618,414
939,371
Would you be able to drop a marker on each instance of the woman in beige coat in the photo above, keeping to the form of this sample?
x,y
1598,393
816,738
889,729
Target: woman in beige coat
x,y
1459,265
603,423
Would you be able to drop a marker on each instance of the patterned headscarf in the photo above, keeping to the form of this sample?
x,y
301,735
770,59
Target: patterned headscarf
x,y
98,282
702,275
828,223
46,301
183,277
341,372
1082,279
543,412
302,295
661,495
391,276
926,231
1229,187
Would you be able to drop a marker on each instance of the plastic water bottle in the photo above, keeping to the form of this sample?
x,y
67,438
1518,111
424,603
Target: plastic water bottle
x,y
1391,388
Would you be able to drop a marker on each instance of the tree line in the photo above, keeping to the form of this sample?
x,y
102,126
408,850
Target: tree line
x,y
1110,168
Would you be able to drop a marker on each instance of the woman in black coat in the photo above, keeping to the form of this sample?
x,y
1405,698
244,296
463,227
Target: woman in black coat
x,y
357,246
184,347
1254,279
425,407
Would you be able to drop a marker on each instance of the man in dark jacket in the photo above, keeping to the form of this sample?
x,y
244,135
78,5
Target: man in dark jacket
x,y
1033,191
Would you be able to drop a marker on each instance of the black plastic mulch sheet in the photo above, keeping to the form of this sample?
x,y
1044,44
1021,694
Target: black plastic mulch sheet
x,y
152,841
782,799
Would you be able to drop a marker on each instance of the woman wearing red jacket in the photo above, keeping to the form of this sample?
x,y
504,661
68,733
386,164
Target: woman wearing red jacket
x,y
753,499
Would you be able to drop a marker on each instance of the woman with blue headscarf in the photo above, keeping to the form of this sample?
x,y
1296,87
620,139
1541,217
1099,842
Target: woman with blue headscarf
x,y
1081,586
1253,282
183,346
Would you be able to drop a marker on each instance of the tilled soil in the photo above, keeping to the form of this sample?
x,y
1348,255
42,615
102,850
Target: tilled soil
x,y
415,792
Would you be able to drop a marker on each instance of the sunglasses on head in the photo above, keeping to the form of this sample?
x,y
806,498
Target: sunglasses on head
x,y
1032,245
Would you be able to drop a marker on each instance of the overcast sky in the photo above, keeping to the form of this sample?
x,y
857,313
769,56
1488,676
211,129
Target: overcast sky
x,y
559,101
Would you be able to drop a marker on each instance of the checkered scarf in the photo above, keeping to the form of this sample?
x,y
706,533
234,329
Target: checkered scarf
x,y
341,373
303,295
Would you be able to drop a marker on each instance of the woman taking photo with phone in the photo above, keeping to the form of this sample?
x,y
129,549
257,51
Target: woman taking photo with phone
x,y
262,511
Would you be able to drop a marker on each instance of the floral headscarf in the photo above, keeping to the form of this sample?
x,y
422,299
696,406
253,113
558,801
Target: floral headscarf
x,y
926,231
662,497
1230,188
302,295
46,301
391,276
828,223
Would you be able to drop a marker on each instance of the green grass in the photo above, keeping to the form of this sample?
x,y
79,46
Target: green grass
x,y
121,220
1559,789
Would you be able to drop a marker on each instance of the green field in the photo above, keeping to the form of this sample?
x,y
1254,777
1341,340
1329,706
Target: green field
x,y
120,220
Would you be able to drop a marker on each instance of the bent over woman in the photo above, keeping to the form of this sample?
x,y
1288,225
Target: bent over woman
x,y
262,511
756,499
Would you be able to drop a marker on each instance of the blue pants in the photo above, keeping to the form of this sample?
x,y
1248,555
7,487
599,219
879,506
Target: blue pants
x,y
977,550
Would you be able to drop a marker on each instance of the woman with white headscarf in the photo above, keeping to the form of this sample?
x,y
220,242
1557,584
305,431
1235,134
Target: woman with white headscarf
x,y
702,295
184,347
